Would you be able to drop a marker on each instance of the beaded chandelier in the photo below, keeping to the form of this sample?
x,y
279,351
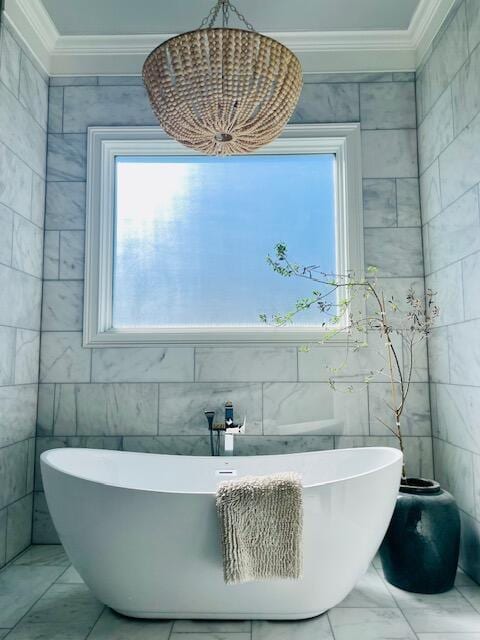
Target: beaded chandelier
x,y
223,90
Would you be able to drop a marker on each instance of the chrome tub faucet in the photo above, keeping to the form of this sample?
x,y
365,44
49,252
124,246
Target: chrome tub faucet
x,y
229,428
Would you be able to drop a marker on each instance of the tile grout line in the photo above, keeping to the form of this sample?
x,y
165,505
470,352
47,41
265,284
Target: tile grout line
x,y
30,608
96,622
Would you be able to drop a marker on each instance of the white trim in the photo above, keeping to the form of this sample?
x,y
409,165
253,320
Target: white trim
x,y
31,22
319,51
426,23
104,143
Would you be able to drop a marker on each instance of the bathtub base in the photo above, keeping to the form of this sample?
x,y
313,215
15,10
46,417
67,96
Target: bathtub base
x,y
196,615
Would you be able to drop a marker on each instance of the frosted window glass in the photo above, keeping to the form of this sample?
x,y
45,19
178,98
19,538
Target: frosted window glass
x,y
192,235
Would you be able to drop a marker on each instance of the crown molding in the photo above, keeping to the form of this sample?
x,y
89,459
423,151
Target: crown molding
x,y
425,24
32,24
319,52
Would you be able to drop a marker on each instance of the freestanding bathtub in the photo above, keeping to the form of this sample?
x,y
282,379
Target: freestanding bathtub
x,y
141,529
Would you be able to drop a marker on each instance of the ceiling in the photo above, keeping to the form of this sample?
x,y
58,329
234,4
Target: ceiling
x,y
124,17
113,37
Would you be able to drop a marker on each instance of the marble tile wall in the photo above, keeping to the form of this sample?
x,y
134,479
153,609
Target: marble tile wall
x,y
448,107
23,143
152,399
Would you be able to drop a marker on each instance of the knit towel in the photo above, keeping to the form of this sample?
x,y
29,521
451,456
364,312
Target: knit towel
x,y
261,521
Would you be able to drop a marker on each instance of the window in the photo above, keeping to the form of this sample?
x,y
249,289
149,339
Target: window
x,y
177,242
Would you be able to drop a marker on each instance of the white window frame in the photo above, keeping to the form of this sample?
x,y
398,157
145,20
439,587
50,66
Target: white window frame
x,y
105,143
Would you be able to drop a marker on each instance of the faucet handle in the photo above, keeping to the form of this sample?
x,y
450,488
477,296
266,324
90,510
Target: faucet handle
x,y
209,415
237,428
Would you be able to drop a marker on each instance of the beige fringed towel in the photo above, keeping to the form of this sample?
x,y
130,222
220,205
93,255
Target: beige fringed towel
x,y
261,521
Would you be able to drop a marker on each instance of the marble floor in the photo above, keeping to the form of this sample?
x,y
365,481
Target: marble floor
x,y
43,598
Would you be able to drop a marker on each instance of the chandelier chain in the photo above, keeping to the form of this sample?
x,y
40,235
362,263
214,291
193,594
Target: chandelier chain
x,y
226,7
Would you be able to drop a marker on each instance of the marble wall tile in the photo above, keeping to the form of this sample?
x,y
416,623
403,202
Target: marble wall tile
x,y
18,406
466,92
454,471
473,23
150,364
55,110
43,531
171,445
408,202
26,356
270,445
420,361
415,420
65,205
454,233
430,192
447,284
106,409
46,398
419,94
464,352
51,255
30,466
62,305
20,296
436,130
13,462
21,132
23,101
182,406
389,154
245,364
418,450
72,252
119,81
310,408
73,81
64,415
6,225
471,299
33,91
37,212
9,60
62,358
15,182
379,203
323,363
459,166
447,57
457,416
439,364
327,103
105,105
27,252
19,526
316,78
406,260
3,536
7,355
403,76
66,157
387,105
469,557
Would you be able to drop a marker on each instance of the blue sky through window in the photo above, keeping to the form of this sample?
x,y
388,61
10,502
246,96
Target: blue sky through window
x,y
192,235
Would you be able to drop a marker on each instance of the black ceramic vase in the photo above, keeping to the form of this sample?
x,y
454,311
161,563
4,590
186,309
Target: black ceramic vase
x,y
420,550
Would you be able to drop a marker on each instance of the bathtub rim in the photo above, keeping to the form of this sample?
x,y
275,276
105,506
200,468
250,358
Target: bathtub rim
x,y
45,456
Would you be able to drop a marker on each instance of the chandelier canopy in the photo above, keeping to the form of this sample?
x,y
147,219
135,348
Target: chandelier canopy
x,y
222,90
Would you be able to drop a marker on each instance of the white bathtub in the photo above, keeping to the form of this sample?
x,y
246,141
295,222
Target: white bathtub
x,y
141,529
